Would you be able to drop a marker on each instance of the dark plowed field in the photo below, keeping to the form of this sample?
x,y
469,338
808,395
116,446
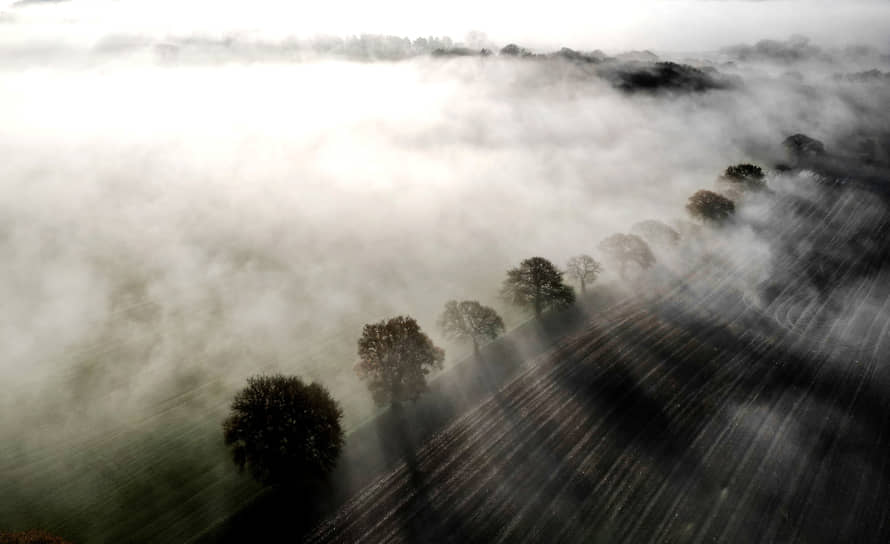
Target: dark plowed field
x,y
709,410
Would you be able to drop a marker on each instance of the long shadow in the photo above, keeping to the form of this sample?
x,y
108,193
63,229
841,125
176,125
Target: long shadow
x,y
846,430
393,437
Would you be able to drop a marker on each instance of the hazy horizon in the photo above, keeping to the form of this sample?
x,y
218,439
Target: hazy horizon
x,y
671,26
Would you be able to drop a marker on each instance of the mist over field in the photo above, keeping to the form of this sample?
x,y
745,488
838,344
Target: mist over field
x,y
181,209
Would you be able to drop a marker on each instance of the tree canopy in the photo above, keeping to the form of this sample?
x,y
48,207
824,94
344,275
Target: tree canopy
x,y
801,145
284,431
748,176
656,233
584,269
537,284
513,50
743,171
469,320
628,248
710,207
394,358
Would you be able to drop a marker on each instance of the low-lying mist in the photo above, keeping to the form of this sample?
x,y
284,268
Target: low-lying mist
x,y
169,224
167,228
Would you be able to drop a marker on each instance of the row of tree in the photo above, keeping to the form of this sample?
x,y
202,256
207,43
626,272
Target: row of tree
x,y
282,429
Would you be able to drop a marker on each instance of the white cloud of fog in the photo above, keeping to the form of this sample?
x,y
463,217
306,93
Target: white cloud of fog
x,y
170,223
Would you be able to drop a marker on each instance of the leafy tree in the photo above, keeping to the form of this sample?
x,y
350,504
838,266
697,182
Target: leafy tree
x,y
743,171
710,207
656,233
801,145
584,269
33,536
469,320
395,357
748,175
513,50
283,430
537,283
627,248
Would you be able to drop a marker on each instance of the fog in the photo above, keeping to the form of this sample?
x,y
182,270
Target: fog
x,y
169,226
221,219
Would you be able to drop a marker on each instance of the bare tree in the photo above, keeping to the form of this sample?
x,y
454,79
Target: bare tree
x,y
584,269
538,284
283,430
656,233
628,248
469,320
395,357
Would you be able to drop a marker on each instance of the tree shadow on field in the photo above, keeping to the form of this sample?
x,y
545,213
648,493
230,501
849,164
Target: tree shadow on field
x,y
394,436
841,429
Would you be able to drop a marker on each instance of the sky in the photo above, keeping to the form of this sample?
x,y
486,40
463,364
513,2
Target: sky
x,y
666,25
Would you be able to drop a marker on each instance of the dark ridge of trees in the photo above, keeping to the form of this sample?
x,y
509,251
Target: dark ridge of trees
x,y
710,207
537,284
513,50
457,52
284,431
33,536
469,320
670,76
637,56
585,269
801,145
796,49
863,77
656,233
395,357
594,57
628,248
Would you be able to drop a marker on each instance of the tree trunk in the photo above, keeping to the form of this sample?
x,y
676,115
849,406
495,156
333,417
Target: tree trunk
x,y
475,347
538,302
396,391
583,287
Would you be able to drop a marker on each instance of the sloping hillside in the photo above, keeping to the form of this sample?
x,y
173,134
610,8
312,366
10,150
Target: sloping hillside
x,y
702,413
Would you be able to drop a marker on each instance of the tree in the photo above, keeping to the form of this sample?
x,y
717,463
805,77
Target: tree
x,y
538,284
283,430
656,233
584,269
469,320
710,207
801,145
33,536
513,50
395,357
749,176
627,248
743,171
